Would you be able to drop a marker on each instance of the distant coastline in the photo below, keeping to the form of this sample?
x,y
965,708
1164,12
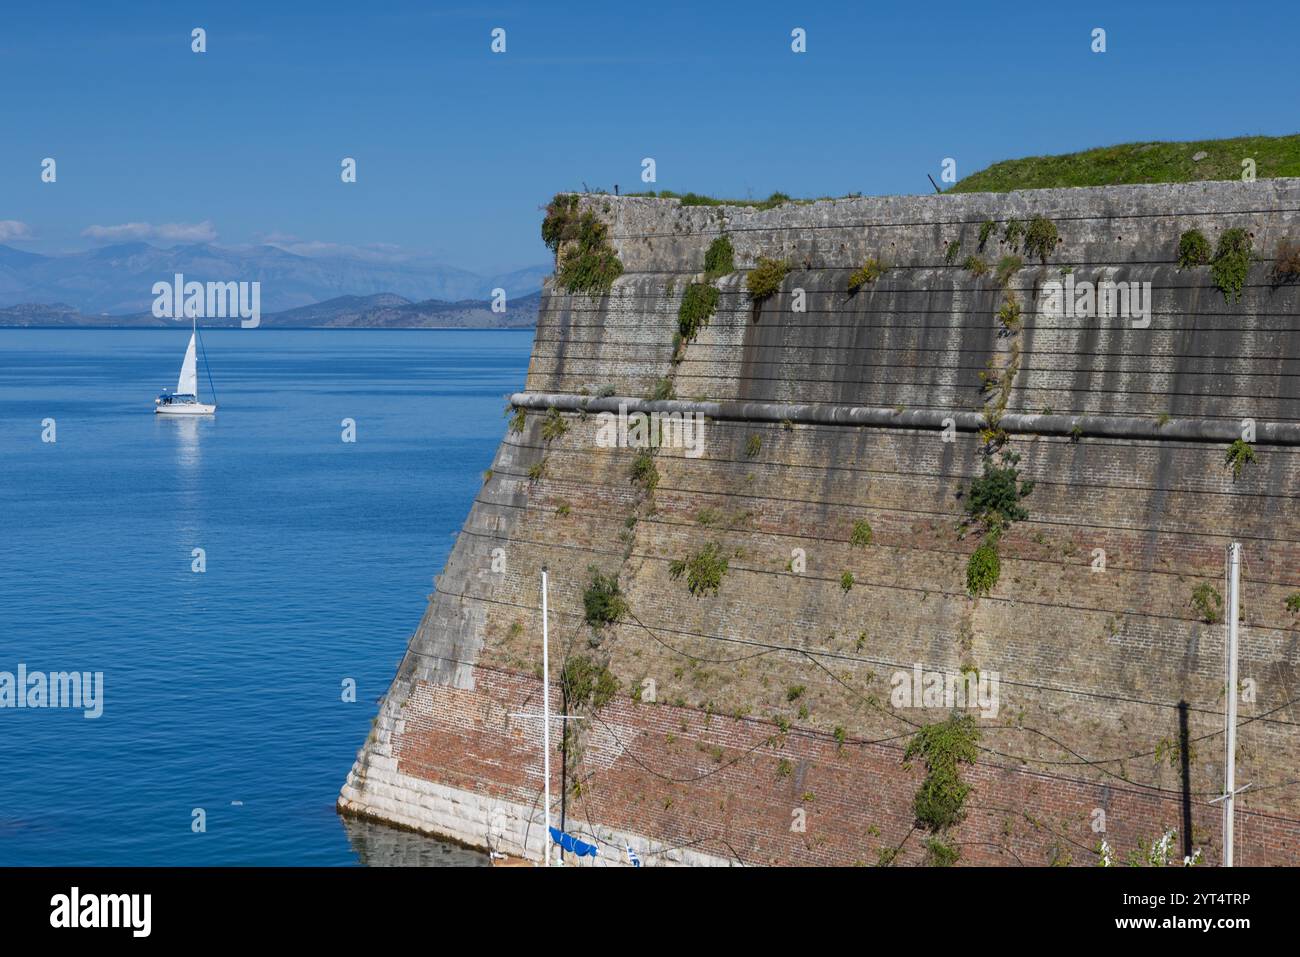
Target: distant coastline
x,y
381,311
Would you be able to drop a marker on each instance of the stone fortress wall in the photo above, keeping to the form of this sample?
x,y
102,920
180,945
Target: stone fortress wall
x,y
772,738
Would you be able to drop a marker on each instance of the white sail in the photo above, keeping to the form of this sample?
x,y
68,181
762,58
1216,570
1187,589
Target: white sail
x,y
189,380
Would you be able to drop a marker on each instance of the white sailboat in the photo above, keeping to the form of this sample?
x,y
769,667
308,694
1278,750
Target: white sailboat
x,y
185,400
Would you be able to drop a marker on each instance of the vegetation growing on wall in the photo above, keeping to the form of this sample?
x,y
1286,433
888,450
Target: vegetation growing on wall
x,y
951,251
699,302
586,683
1009,312
703,570
984,568
644,472
1008,266
585,261
1240,454
590,266
603,601
1293,603
663,390
518,420
1208,603
1231,262
861,535
871,270
553,425
986,230
1286,261
1041,238
561,222
699,199
720,258
993,504
939,802
847,580
1193,249
753,445
993,501
975,265
765,279
1013,232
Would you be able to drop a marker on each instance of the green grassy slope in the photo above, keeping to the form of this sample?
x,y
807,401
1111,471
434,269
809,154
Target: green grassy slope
x,y
1141,163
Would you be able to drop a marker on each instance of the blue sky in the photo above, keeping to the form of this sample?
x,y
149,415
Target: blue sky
x,y
457,148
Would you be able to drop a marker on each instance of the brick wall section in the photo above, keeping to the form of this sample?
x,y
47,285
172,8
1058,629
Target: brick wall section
x,y
652,767
1092,666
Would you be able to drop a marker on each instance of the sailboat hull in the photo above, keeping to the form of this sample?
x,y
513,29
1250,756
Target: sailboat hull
x,y
185,408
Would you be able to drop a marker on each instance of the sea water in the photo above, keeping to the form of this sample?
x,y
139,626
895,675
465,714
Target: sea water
x,y
229,576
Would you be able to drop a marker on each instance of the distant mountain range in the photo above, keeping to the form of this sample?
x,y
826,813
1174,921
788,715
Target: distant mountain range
x,y
382,311
118,280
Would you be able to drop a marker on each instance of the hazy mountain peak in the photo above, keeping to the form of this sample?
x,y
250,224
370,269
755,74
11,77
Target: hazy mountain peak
x,y
118,279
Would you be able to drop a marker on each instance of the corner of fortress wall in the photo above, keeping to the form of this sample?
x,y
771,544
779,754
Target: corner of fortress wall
x,y
772,738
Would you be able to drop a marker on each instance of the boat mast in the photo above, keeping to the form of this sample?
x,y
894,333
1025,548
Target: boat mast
x,y
546,729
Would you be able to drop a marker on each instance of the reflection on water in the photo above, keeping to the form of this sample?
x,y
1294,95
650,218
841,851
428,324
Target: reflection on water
x,y
185,429
380,846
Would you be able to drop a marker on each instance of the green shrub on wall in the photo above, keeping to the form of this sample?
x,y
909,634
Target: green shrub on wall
x,y
871,271
586,683
994,498
553,425
1208,603
1041,238
993,503
765,279
644,472
1008,266
1231,263
603,601
1193,249
699,302
944,747
589,265
703,570
561,222
585,262
720,258
1240,454
983,569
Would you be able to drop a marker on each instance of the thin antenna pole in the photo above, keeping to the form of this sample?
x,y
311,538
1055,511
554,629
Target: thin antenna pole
x,y
1230,762
546,728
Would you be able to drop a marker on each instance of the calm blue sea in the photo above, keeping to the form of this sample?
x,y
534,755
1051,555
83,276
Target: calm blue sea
x,y
222,690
